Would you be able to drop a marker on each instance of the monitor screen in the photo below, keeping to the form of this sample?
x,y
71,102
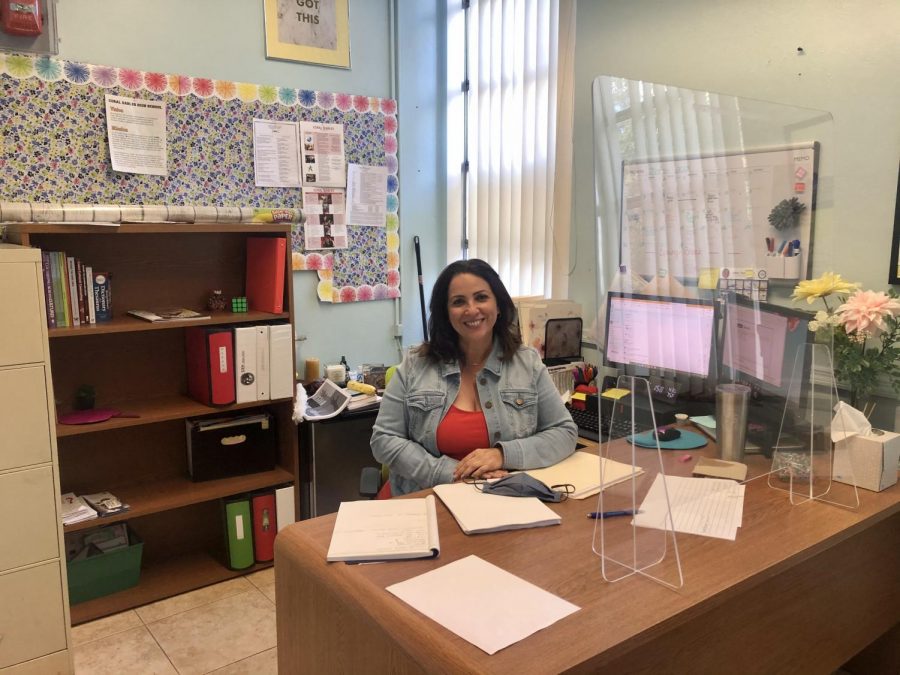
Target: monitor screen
x,y
761,342
660,334
762,347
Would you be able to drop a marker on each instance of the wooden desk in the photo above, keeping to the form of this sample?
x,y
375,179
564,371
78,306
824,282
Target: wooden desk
x,y
802,589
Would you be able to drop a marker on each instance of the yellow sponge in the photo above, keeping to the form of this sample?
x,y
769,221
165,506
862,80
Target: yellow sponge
x,y
361,387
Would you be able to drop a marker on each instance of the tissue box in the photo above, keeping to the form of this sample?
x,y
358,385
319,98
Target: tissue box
x,y
874,460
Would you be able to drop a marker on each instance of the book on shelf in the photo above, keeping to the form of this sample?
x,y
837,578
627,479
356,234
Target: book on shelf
x,y
102,295
49,304
60,302
89,293
387,529
73,291
168,314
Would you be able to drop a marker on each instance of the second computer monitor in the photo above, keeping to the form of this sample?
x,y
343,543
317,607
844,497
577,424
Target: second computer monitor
x,y
763,347
670,341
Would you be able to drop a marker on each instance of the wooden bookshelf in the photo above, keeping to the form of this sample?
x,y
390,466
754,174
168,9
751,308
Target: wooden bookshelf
x,y
138,368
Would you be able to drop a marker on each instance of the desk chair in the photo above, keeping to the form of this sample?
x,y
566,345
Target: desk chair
x,y
373,481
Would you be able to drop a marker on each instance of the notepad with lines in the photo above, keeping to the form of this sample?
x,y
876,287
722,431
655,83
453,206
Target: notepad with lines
x,y
391,529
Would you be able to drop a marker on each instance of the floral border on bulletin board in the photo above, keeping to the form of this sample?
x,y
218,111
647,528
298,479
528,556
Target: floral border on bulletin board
x,y
53,148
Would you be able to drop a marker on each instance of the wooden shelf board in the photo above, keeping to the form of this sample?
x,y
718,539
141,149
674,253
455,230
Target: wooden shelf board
x,y
124,323
146,228
154,410
158,496
158,581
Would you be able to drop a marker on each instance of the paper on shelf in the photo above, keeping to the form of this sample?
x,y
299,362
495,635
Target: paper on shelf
x,y
482,603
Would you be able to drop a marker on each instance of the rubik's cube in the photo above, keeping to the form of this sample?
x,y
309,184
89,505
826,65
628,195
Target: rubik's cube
x,y
239,304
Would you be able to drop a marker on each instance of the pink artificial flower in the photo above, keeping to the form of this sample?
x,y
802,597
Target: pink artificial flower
x,y
865,312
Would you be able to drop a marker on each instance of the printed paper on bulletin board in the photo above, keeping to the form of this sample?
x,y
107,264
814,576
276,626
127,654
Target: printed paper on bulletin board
x,y
681,216
54,149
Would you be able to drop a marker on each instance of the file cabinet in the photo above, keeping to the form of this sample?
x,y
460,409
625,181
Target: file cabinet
x,y
34,614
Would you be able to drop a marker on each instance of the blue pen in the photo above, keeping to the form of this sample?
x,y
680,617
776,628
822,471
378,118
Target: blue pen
x,y
610,514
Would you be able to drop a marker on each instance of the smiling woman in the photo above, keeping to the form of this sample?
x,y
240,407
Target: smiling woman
x,y
472,401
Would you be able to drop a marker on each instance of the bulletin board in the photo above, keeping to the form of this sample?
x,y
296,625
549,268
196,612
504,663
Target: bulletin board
x,y
53,148
751,209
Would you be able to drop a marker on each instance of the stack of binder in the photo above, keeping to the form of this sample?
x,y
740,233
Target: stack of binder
x,y
264,364
251,524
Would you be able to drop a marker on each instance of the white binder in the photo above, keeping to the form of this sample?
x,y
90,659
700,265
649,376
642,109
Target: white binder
x,y
245,371
281,363
262,363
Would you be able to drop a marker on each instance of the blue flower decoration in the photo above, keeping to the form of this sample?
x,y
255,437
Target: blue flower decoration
x,y
287,96
307,98
392,183
392,203
76,72
47,68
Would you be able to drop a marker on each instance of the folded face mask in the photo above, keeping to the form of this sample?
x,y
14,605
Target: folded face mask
x,y
523,485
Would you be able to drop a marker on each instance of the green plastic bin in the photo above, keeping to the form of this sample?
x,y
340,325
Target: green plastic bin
x,y
104,574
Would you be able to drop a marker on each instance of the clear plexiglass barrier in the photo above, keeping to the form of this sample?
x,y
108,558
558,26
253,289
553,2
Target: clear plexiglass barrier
x,y
711,209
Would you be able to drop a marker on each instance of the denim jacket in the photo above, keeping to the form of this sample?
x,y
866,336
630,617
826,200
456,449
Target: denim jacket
x,y
525,417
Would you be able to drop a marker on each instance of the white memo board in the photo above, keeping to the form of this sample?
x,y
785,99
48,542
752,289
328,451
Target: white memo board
x,y
680,216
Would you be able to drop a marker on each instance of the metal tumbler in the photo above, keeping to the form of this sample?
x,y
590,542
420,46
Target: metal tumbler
x,y
731,420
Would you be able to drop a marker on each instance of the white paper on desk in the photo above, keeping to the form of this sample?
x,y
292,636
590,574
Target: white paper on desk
x,y
482,603
710,507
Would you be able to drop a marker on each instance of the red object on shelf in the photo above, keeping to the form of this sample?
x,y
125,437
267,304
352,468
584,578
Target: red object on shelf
x,y
210,365
265,273
21,17
264,526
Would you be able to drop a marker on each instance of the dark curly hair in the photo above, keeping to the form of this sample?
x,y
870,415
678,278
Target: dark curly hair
x,y
443,344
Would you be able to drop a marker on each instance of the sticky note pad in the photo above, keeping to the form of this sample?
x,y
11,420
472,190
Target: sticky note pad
x,y
615,394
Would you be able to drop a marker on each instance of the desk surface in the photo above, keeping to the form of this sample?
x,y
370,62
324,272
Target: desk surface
x,y
802,589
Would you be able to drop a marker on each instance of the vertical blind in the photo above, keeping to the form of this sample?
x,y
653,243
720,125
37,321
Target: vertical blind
x,y
514,132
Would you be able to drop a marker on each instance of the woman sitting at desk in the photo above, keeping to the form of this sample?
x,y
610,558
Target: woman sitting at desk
x,y
472,402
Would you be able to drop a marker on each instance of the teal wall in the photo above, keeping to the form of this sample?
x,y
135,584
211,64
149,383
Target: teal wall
x,y
748,48
225,39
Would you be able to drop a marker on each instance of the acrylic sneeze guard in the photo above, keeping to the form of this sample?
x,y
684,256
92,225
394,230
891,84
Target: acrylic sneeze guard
x,y
728,201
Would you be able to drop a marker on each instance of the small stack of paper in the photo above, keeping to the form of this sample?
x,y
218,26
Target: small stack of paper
x,y
74,509
710,507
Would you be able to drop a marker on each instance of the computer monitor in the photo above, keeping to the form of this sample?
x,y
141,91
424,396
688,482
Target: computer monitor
x,y
669,341
762,347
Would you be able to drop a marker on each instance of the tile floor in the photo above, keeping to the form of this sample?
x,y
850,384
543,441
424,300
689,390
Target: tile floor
x,y
226,629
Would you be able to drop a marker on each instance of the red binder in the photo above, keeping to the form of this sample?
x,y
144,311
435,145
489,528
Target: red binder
x,y
264,526
265,273
210,365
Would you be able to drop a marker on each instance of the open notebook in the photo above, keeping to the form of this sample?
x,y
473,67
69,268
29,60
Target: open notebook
x,y
582,469
478,512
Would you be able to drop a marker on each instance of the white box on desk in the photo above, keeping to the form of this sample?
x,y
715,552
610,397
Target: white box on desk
x,y
874,460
